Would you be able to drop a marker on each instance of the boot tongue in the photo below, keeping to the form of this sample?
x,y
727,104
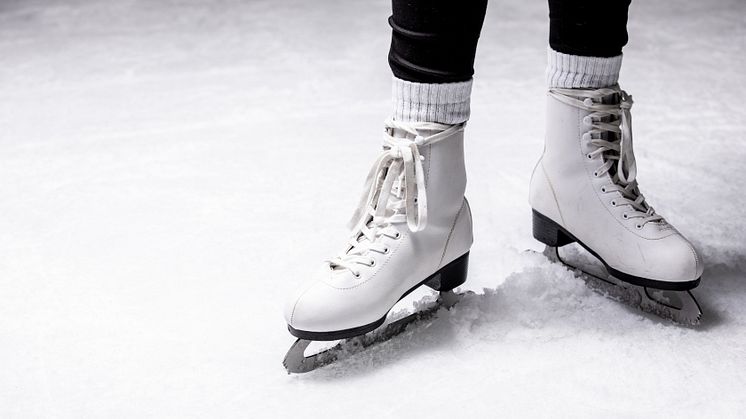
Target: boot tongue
x,y
400,133
397,190
398,187
612,99
396,197
616,99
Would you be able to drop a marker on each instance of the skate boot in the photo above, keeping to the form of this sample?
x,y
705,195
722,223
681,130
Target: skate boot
x,y
412,227
584,191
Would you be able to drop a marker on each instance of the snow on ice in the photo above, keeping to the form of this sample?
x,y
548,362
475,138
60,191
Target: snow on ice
x,y
170,169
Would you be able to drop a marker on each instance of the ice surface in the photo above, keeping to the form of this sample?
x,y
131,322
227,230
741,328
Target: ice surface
x,y
170,169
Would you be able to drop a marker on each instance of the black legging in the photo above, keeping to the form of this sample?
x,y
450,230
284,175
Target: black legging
x,y
435,41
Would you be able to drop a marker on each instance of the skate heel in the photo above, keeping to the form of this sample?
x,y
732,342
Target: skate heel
x,y
549,232
451,275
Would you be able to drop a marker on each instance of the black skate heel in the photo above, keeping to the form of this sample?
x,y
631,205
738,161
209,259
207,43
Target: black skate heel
x,y
451,275
549,232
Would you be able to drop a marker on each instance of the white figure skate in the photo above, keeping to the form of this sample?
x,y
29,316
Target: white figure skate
x,y
413,227
584,191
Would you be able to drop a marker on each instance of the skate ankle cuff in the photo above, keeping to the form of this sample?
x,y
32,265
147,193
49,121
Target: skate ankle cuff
x,y
445,103
576,71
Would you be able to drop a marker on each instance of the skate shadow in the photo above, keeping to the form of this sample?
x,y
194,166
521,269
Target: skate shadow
x,y
723,285
711,318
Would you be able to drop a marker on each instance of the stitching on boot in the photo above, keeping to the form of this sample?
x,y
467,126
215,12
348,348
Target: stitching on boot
x,y
450,233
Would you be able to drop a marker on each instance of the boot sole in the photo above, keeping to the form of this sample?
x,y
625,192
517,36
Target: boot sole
x,y
445,279
552,234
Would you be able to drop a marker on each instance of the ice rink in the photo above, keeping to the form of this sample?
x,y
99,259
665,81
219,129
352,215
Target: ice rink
x,y
169,170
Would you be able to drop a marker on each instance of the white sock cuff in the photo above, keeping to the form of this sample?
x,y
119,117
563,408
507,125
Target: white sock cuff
x,y
576,71
445,103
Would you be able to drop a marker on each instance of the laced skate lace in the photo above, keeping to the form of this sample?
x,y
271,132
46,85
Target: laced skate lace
x,y
611,133
394,193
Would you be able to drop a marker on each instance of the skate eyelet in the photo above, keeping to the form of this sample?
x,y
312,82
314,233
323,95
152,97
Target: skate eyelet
x,y
397,236
603,189
638,226
372,263
386,251
589,156
613,203
357,275
587,120
595,174
625,216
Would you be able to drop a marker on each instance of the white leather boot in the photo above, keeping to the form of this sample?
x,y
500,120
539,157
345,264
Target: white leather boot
x,y
413,227
584,190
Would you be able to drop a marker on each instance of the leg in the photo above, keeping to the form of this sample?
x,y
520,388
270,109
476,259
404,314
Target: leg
x,y
413,224
586,39
433,44
587,27
584,188
435,41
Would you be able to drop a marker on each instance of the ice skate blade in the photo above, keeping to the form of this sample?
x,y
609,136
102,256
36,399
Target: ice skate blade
x,y
678,306
553,235
296,362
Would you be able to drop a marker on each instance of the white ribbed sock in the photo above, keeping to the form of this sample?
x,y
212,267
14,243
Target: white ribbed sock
x,y
446,103
575,71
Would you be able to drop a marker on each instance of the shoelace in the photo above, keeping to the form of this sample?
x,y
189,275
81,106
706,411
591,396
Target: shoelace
x,y
617,154
394,193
